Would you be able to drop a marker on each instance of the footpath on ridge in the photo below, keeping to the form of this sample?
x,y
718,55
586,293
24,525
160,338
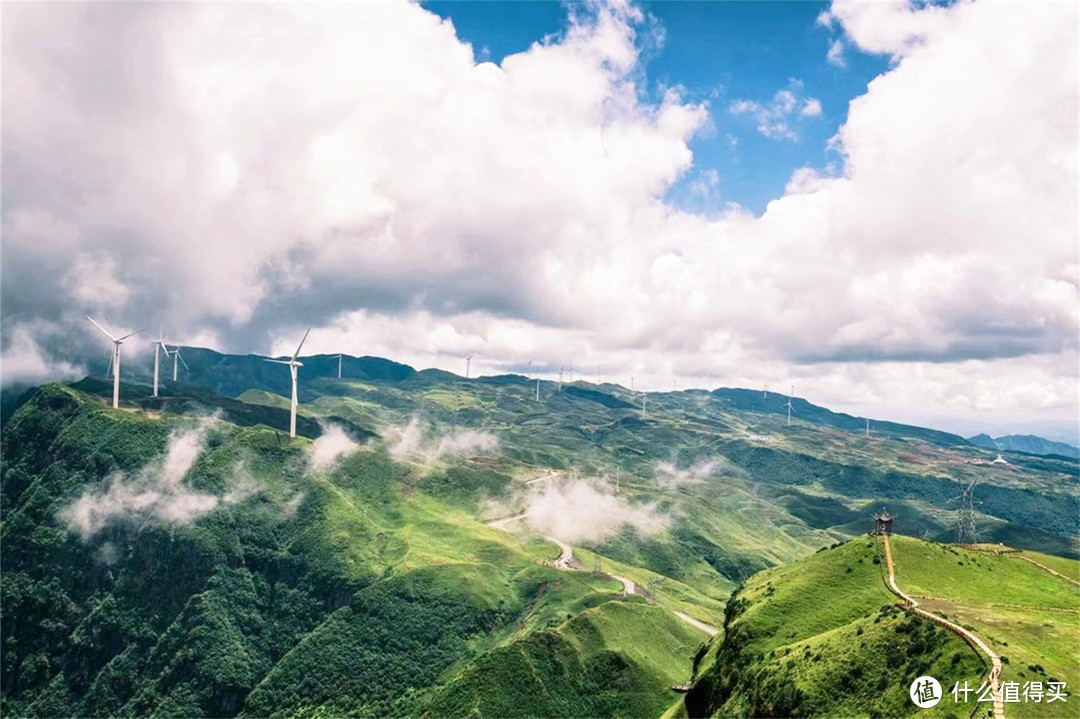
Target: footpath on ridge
x,y
970,638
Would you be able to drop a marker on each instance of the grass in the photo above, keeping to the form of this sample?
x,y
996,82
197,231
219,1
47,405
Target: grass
x,y
975,578
814,595
668,593
1022,612
823,637
616,659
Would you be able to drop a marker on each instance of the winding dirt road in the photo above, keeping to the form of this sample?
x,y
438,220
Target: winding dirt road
x,y
567,561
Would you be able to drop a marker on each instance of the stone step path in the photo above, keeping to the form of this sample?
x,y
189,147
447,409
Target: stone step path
x,y
971,639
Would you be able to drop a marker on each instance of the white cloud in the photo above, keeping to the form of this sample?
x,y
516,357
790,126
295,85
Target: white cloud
x,y
157,490
774,118
669,475
24,362
835,55
418,440
329,447
354,166
576,511
92,282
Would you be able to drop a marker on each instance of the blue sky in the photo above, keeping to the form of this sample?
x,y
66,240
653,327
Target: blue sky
x,y
719,53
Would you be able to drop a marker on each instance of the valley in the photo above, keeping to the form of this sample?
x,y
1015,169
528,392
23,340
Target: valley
x,y
434,546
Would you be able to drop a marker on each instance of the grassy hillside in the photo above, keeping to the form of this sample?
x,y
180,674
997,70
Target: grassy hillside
x,y
824,637
1026,615
257,580
617,659
366,588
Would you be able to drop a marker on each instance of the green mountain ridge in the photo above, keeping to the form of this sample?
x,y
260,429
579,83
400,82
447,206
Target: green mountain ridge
x,y
825,637
256,581
1027,443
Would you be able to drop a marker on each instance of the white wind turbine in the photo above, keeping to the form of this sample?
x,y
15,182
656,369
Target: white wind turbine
x,y
293,366
339,366
159,347
117,341
176,358
468,362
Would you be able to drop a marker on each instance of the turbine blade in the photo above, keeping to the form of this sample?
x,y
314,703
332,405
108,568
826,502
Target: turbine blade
x,y
181,358
297,352
107,333
129,334
280,361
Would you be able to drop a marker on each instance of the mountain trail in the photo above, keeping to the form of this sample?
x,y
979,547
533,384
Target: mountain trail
x,y
568,562
969,637
1048,569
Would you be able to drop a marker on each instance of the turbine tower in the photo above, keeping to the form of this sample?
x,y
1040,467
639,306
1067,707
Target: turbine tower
x,y
468,361
789,405
537,389
339,366
159,346
867,426
175,359
117,341
293,366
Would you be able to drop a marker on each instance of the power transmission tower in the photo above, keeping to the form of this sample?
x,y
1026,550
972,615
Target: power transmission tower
x,y
966,533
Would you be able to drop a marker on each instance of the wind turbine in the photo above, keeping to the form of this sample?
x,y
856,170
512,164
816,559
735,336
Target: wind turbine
x,y
789,405
867,426
339,366
560,378
468,362
159,346
117,341
175,358
293,366
537,389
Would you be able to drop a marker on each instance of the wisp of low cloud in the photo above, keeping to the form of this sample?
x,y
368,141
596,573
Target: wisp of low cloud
x,y
669,475
331,445
577,511
415,441
156,491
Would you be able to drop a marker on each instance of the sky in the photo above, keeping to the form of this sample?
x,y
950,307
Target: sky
x,y
875,203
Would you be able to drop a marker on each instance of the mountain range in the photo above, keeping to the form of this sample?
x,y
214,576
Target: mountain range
x,y
430,545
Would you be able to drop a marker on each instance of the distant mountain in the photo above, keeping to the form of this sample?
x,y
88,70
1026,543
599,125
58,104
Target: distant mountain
x,y
1036,445
775,403
983,440
232,375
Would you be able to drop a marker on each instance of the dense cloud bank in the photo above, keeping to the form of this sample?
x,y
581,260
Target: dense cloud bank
x,y
355,167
